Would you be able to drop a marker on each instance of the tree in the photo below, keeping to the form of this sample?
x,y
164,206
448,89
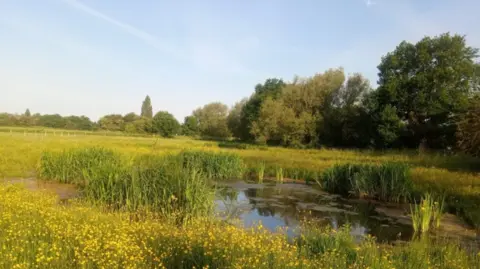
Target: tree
x,y
272,87
78,123
52,121
346,122
112,122
468,133
234,118
165,124
426,84
130,117
27,113
147,108
212,120
190,126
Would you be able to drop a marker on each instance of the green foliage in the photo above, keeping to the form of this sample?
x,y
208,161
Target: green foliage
x,y
112,122
234,119
158,184
272,88
469,129
427,214
165,124
315,241
147,111
426,82
190,126
212,120
52,121
130,117
219,166
385,182
27,113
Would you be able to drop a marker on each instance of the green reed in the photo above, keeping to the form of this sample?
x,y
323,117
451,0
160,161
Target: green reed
x,y
279,174
427,214
385,182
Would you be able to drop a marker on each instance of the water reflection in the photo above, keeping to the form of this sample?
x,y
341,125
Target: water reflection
x,y
285,205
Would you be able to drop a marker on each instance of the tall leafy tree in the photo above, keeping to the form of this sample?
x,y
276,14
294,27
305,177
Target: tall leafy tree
x,y
147,108
234,118
212,120
469,129
272,87
112,122
27,113
190,126
426,84
165,124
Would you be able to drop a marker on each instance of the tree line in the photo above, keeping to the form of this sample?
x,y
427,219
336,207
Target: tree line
x,y
427,97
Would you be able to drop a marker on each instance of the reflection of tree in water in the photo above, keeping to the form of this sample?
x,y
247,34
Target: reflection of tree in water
x,y
274,202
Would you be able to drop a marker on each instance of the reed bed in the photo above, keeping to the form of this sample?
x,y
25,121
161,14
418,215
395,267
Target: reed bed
x,y
385,182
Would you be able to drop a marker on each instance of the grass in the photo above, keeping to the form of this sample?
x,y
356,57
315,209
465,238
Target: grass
x,y
384,182
427,214
168,185
38,232
279,175
456,176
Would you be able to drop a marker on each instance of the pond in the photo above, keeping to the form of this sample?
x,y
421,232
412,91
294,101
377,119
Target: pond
x,y
286,205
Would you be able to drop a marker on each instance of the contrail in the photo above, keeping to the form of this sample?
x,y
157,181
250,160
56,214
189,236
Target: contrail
x,y
132,30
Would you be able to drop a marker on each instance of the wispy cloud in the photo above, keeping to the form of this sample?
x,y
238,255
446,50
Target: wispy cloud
x,y
148,38
369,3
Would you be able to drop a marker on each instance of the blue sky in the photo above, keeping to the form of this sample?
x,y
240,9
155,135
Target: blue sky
x,y
96,57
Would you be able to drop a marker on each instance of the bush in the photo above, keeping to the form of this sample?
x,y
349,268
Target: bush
x,y
385,182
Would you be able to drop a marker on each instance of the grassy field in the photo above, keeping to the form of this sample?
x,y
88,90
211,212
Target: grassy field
x,y
167,178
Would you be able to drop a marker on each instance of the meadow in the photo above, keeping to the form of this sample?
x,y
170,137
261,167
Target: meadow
x,y
147,203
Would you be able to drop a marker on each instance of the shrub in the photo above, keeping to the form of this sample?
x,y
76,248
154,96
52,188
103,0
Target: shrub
x,y
386,182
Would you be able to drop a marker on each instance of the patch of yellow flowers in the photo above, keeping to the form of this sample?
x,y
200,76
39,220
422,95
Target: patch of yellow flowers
x,y
38,232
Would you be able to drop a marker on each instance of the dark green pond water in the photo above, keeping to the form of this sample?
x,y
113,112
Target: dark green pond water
x,y
285,205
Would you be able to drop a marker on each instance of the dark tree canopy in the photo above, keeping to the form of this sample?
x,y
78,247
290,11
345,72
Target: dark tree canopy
x,y
27,113
165,124
426,83
272,87
147,108
190,126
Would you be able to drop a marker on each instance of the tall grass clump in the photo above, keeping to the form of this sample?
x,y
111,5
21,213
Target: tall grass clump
x,y
215,165
427,214
70,166
157,184
279,174
260,172
339,178
385,182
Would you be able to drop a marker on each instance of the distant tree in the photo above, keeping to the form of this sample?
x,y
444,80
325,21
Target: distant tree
x,y
212,120
468,133
147,108
272,87
78,123
234,118
130,117
426,84
190,126
52,121
27,113
112,122
165,124
141,125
